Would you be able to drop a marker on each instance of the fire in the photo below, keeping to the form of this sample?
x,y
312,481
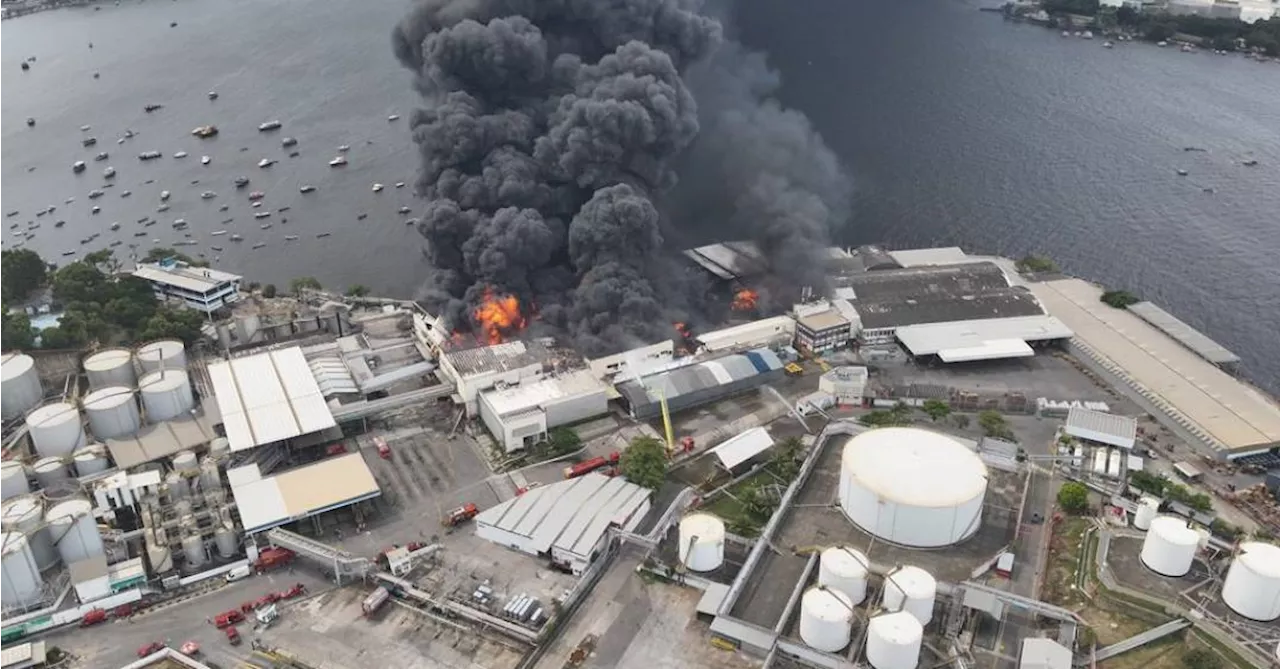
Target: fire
x,y
745,300
683,330
498,316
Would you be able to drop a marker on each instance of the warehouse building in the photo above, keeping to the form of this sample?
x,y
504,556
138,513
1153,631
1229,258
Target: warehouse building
x,y
888,299
986,339
265,502
693,385
1101,429
644,357
519,417
511,363
569,521
766,333
268,398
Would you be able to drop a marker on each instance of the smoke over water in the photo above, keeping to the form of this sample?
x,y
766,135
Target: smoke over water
x,y
550,137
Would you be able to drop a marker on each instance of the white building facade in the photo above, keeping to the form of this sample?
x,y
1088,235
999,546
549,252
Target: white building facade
x,y
199,288
521,416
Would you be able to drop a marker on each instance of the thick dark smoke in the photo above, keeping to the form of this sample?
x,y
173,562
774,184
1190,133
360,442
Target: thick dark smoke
x,y
550,136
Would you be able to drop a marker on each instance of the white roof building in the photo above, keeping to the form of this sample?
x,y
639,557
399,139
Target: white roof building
x,y
986,339
200,288
1040,653
299,493
743,447
520,416
268,397
764,332
567,521
475,369
1100,427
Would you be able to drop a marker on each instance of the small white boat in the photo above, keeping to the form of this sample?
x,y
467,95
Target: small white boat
x,y
208,195
114,226
217,233
307,188
393,117
236,238
77,166
289,238
338,162
270,125
180,154
377,188
109,173
1107,44
262,214
344,148
266,162
265,226
95,210
256,204
205,160
399,184
164,195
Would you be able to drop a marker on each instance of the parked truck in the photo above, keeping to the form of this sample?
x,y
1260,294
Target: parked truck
x,y
375,601
461,515
588,466
272,558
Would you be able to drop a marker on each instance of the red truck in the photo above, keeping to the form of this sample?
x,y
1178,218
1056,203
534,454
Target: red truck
x,y
588,466
295,591
461,515
233,636
93,618
227,619
384,450
265,600
374,601
272,558
148,649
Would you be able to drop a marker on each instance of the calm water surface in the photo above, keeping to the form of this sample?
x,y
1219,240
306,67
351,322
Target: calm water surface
x,y
958,128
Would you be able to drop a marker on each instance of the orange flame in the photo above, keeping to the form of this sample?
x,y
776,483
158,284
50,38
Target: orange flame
x,y
745,300
683,330
498,316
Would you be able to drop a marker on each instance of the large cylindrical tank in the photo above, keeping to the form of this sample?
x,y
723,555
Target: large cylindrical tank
x,y
20,385
25,515
49,471
210,477
193,551
844,569
91,459
178,487
74,530
161,559
1252,587
1147,510
166,394
913,590
166,353
22,583
912,487
702,542
185,463
894,640
219,447
826,619
1170,546
227,541
111,367
112,412
13,479
56,429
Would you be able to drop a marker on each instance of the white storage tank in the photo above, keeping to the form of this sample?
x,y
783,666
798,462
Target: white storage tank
x,y
25,515
894,640
844,569
219,447
91,459
1170,546
111,367
112,412
1252,587
702,542
20,385
160,558
210,477
166,394
1148,507
166,353
913,590
226,540
193,551
912,487
185,463
178,486
56,429
826,619
49,471
74,530
22,584
13,479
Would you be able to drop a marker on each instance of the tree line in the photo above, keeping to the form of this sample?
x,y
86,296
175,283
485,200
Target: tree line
x,y
1219,33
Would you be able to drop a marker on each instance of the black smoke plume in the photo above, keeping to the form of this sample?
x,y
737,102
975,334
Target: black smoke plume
x,y
550,135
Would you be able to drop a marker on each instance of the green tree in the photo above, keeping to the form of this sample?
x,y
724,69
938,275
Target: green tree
x,y
564,440
23,271
1073,497
788,455
994,425
1119,299
936,409
104,259
758,502
304,283
79,282
1034,263
17,331
1152,484
357,290
644,463
269,291
1201,658
171,323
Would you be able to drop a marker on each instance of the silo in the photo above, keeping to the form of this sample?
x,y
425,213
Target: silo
x,y
22,583
1147,510
166,353
160,558
219,447
844,569
913,590
91,459
25,515
13,479
1170,546
112,412
20,385
226,540
701,542
166,394
56,429
210,478
193,550
74,530
49,471
894,640
111,367
178,486
826,619
185,463
1252,587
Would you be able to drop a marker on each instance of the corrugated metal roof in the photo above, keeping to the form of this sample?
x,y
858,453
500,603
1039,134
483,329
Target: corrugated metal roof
x,y
299,493
542,393
743,447
718,371
268,397
932,338
567,514
1102,427
1185,334
739,367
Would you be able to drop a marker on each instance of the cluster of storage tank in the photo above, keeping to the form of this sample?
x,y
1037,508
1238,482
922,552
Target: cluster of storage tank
x,y
37,535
